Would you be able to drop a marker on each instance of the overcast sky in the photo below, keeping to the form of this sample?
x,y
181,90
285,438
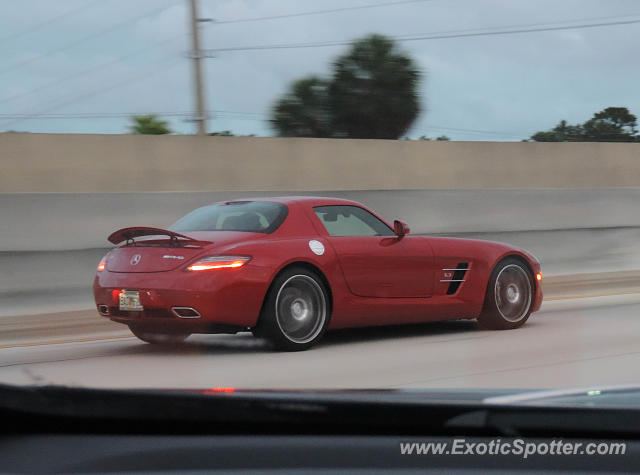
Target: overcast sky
x,y
69,58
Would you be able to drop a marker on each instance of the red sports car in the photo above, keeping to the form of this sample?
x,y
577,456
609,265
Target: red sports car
x,y
287,269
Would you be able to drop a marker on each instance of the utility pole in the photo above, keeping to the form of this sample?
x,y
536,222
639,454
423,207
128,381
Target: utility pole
x,y
196,55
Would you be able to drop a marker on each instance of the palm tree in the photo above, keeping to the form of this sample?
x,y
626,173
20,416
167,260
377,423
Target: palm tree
x,y
372,95
373,91
304,111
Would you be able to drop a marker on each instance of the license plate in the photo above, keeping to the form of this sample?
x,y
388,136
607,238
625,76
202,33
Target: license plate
x,y
130,300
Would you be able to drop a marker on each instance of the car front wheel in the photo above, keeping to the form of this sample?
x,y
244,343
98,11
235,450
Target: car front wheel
x,y
509,296
296,311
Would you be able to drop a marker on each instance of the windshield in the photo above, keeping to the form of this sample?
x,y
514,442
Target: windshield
x,y
250,216
399,195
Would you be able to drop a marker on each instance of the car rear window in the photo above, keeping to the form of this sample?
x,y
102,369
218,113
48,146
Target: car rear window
x,y
248,216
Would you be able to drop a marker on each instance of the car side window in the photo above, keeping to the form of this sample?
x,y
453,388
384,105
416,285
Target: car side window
x,y
351,221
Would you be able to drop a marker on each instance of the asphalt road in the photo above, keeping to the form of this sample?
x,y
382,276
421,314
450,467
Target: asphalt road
x,y
573,342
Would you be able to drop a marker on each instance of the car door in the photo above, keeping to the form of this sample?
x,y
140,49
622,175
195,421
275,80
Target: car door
x,y
376,262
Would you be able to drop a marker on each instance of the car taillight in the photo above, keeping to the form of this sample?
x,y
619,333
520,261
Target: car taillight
x,y
218,262
102,264
219,390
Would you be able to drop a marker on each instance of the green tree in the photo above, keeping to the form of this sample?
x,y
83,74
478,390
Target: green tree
x,y
372,93
562,132
304,111
548,136
149,125
613,124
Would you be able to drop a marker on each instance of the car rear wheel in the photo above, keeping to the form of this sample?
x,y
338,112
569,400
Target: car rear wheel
x,y
158,337
509,296
296,311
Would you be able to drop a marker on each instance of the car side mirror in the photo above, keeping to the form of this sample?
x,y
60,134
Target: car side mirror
x,y
400,228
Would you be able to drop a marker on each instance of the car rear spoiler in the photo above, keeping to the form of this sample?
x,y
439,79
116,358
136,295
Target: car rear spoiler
x,y
128,234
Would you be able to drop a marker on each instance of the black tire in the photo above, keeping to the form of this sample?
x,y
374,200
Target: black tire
x,y
509,296
155,337
296,311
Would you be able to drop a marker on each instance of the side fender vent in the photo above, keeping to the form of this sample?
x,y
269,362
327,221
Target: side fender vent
x,y
458,277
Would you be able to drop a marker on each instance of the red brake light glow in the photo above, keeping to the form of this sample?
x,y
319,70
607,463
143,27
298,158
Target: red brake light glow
x,y
218,262
219,390
102,264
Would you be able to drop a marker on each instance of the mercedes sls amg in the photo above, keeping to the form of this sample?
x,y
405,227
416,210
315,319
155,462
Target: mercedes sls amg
x,y
290,268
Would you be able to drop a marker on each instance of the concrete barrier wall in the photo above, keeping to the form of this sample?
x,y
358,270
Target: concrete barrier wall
x,y
126,163
52,222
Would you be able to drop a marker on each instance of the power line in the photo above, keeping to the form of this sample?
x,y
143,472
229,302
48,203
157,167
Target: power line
x,y
543,24
432,36
233,115
120,115
92,115
82,40
474,131
95,92
89,70
524,30
318,12
100,115
50,21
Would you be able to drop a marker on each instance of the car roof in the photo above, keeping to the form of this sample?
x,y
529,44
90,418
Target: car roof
x,y
307,200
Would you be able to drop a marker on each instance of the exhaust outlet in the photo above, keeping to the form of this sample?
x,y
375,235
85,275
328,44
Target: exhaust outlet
x,y
185,312
103,310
